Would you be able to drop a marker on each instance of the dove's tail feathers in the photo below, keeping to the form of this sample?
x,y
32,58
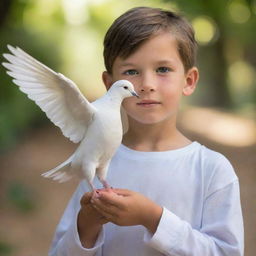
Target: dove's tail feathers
x,y
61,172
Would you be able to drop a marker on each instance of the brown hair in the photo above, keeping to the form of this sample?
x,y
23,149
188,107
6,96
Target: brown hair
x,y
137,25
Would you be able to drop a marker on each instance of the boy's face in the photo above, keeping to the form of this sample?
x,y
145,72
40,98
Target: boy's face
x,y
158,75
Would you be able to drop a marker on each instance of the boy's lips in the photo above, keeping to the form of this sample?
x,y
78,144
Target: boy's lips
x,y
148,103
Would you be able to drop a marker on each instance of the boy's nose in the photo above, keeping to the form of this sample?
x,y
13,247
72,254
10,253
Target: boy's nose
x,y
146,90
147,85
149,89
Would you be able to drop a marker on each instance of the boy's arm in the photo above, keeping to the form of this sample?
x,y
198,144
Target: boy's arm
x,y
221,232
89,222
66,240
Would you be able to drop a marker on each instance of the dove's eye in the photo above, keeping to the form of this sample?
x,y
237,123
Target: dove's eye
x,y
125,87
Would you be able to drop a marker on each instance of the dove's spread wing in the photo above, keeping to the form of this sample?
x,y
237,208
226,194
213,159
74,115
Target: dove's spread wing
x,y
55,94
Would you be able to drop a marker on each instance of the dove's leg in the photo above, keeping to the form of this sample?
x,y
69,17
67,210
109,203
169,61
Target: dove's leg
x,y
94,190
88,172
102,173
91,186
95,193
105,184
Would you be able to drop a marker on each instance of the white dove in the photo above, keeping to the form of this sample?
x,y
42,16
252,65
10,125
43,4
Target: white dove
x,y
97,125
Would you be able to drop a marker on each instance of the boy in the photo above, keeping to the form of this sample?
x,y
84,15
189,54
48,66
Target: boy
x,y
177,196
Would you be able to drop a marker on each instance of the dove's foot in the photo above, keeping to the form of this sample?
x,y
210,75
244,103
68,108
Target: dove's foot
x,y
106,185
95,194
91,186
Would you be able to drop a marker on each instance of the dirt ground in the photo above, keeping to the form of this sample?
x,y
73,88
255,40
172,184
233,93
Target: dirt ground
x,y
27,222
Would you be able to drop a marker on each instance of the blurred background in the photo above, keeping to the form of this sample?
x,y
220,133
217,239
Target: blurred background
x,y
67,36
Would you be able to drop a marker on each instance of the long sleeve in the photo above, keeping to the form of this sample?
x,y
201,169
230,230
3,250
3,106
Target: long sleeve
x,y
66,240
221,232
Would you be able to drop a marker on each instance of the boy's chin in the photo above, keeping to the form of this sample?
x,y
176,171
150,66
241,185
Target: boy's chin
x,y
150,121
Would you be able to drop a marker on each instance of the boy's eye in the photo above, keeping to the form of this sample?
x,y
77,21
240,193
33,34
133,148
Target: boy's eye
x,y
131,72
163,70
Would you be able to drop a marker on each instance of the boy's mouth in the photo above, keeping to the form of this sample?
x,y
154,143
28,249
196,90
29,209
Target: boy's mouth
x,y
147,103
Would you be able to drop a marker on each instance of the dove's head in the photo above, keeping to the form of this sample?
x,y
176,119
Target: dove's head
x,y
124,88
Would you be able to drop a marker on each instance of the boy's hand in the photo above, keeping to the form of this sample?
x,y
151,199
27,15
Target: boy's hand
x,y
89,221
127,208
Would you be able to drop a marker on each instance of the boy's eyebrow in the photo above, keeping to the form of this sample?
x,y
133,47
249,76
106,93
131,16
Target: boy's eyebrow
x,y
126,64
161,62
157,62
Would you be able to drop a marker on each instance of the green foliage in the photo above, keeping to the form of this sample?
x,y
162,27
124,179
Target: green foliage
x,y
5,249
21,197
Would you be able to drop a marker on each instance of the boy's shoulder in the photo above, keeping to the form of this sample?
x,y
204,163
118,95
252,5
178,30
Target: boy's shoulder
x,y
217,169
212,157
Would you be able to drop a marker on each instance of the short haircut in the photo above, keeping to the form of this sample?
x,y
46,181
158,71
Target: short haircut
x,y
139,24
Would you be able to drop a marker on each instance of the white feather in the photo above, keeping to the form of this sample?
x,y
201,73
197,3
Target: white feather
x,y
39,82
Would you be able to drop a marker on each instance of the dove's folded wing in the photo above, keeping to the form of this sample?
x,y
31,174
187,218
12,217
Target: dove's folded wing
x,y
55,94
124,119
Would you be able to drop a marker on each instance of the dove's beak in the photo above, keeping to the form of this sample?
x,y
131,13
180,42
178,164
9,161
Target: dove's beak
x,y
135,94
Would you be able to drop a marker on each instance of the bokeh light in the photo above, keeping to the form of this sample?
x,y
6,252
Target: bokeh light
x,y
241,76
75,12
39,14
239,11
205,29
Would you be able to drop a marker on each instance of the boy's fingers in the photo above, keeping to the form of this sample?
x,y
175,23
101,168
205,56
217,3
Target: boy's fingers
x,y
107,218
122,192
111,198
86,198
104,209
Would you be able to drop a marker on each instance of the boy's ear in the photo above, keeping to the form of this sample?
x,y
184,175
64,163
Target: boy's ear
x,y
107,79
192,77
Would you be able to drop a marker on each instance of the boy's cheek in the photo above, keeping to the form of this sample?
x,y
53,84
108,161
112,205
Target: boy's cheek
x,y
129,101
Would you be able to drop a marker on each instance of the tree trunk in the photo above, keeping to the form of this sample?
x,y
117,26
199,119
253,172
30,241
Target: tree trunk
x,y
4,10
221,95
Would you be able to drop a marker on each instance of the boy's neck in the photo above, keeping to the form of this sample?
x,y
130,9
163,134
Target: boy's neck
x,y
143,137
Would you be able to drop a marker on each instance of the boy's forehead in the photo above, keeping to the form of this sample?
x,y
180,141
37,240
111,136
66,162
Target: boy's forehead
x,y
160,49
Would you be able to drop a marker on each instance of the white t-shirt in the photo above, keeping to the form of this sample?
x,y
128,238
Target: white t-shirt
x,y
199,193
